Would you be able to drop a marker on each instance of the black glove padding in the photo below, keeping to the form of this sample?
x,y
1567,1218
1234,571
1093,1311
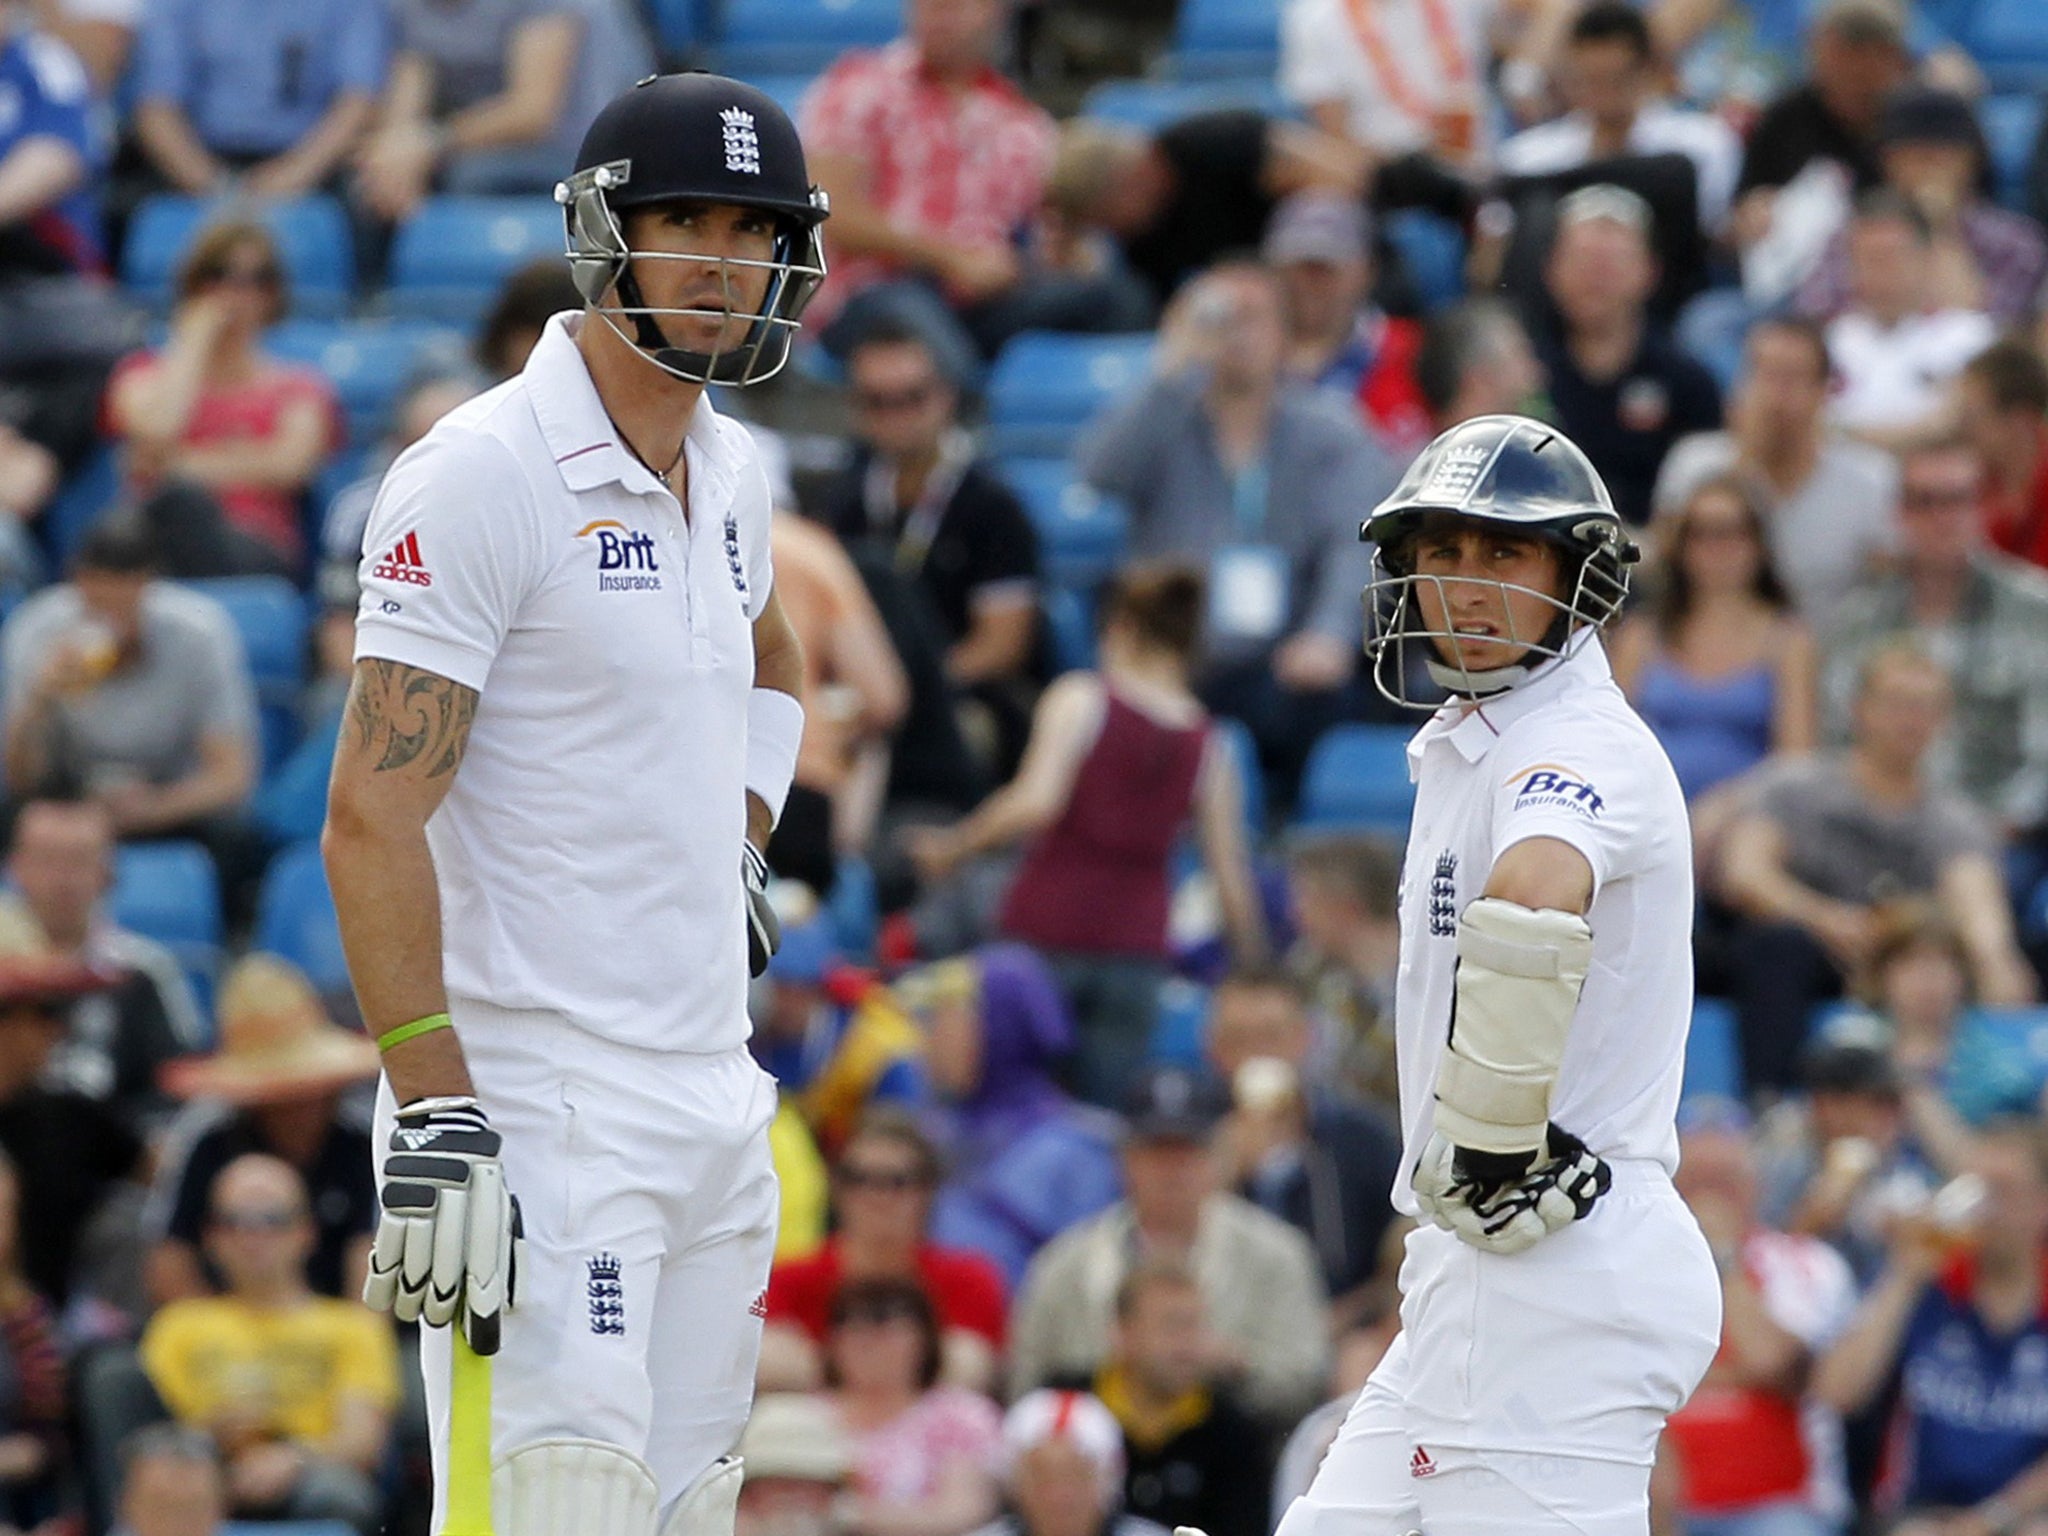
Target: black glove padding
x,y
448,1235
764,930
1468,1196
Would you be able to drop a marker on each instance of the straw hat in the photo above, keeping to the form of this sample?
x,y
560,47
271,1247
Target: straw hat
x,y
33,972
276,1041
795,1435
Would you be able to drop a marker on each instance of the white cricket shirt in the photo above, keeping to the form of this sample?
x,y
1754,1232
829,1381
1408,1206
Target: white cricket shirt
x,y
588,852
1564,756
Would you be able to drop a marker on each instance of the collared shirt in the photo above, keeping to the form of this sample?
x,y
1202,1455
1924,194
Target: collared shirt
x,y
1995,750
252,76
1563,756
968,167
1659,129
1324,59
2008,248
588,853
1158,453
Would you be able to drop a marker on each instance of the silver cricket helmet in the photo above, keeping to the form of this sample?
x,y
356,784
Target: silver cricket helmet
x,y
1508,472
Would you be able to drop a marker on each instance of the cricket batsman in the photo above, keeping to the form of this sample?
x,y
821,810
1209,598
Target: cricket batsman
x,y
571,727
1557,1300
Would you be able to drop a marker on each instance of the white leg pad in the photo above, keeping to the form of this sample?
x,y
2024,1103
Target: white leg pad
x,y
573,1488
710,1505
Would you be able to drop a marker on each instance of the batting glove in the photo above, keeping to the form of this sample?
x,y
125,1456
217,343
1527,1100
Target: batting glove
x,y
764,930
448,1236
1508,1215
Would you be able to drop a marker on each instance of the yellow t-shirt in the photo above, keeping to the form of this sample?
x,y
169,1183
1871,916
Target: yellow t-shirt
x,y
805,1184
208,1352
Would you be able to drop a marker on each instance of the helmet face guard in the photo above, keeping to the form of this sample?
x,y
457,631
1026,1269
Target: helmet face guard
x,y
1395,618
602,267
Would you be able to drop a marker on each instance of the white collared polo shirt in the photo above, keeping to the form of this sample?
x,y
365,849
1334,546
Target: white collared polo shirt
x,y
1561,755
588,852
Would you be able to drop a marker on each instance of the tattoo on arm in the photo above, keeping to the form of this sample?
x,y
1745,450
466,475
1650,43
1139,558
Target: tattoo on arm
x,y
403,715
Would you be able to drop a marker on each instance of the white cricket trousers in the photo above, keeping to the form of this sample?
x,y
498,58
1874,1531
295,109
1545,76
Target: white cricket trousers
x,y
1524,1395
649,1201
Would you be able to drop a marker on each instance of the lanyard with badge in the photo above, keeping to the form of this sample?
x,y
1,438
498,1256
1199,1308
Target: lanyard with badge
x,y
1247,577
920,525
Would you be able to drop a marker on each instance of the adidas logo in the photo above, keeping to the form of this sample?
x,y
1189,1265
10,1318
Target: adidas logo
x,y
414,1140
404,564
758,1307
1421,1464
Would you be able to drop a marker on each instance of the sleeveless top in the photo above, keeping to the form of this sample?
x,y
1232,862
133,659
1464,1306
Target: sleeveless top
x,y
1095,881
1712,728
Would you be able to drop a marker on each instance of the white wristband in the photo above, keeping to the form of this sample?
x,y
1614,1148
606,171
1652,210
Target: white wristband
x,y
775,729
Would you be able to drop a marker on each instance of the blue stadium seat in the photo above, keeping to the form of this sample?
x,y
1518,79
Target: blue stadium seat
x,y
167,891
787,90
854,909
312,235
1357,776
2009,41
1152,104
78,504
680,25
1081,532
768,37
450,256
369,362
1221,39
1183,1015
1713,1052
1069,619
287,1528
271,616
1433,250
295,917
2012,124
1045,386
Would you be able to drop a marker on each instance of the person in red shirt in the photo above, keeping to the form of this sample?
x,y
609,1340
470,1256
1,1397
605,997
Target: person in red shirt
x,y
2004,406
882,1196
1750,1456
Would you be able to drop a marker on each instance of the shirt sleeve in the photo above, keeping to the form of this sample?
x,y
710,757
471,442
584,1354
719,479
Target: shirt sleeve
x,y
449,555
1309,71
1573,777
1006,549
62,105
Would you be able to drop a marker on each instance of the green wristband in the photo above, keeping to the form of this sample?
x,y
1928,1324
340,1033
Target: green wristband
x,y
392,1038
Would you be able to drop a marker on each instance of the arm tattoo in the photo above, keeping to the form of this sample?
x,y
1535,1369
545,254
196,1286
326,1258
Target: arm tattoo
x,y
404,715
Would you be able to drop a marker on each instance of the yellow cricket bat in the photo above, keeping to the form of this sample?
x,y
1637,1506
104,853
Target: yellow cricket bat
x,y
469,1441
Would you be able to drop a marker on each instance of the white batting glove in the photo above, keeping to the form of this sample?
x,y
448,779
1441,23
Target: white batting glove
x,y
449,1235
764,929
1515,1214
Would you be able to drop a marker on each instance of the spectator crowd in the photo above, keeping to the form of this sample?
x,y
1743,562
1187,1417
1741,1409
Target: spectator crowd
x,y
1088,881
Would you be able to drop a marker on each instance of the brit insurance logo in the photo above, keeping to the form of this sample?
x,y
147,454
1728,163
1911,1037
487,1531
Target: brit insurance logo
x,y
625,557
742,144
1554,786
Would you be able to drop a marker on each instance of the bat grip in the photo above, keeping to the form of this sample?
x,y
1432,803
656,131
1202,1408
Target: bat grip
x,y
468,1508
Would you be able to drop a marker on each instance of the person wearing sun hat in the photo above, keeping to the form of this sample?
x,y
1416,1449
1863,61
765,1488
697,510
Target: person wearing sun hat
x,y
276,1084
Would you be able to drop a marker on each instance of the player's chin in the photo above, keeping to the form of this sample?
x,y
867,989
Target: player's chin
x,y
1474,654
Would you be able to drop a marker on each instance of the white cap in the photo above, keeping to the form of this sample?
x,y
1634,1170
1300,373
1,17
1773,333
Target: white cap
x,y
795,1435
1079,1417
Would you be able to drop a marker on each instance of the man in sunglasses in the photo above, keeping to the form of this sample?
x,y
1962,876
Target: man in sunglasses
x,y
572,726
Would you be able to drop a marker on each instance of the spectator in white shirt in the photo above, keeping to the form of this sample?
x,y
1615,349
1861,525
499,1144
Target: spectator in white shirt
x,y
1894,355
1609,82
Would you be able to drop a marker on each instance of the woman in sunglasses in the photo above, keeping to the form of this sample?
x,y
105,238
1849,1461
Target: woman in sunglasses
x,y
221,439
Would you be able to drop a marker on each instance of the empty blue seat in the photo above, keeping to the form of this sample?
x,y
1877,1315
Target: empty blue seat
x,y
1432,248
1222,38
167,891
1713,1052
1069,619
312,235
287,1528
78,504
1357,776
1081,532
1045,386
1152,104
295,917
793,36
2009,41
270,614
450,256
2012,124
369,362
